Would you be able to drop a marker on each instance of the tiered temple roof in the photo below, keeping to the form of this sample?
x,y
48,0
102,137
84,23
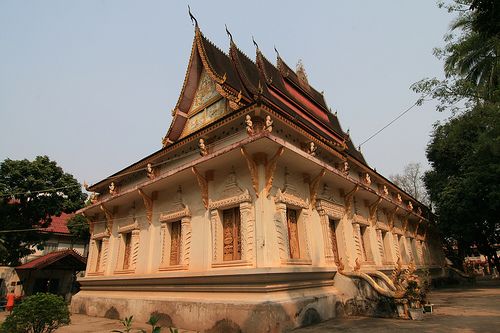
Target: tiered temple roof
x,y
244,82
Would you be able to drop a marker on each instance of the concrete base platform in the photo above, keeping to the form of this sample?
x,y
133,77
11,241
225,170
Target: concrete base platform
x,y
214,312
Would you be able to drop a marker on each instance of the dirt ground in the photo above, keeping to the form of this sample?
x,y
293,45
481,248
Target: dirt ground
x,y
461,309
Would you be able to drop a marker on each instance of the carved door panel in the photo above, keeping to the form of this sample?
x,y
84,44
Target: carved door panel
x,y
175,242
335,248
126,256
231,234
293,233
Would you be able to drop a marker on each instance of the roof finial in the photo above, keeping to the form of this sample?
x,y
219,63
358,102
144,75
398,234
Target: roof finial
x,y
255,43
277,53
228,33
193,19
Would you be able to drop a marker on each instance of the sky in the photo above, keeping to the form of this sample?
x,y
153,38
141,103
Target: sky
x,y
92,83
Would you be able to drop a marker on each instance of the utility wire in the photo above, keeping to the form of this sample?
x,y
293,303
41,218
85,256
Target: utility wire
x,y
418,102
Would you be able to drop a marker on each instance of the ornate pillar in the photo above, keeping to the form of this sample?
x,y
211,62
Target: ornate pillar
x,y
135,248
247,231
104,255
280,221
380,243
357,241
185,247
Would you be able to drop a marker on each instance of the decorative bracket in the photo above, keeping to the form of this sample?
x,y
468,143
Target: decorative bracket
x,y
313,187
348,198
270,168
417,227
390,217
252,167
109,217
373,209
203,183
148,203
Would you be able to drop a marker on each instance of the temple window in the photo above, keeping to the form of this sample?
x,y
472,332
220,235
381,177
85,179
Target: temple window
x,y
333,237
232,234
98,253
232,224
363,242
293,233
175,242
128,248
175,235
127,242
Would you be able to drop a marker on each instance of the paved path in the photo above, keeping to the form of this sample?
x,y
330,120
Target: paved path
x,y
464,310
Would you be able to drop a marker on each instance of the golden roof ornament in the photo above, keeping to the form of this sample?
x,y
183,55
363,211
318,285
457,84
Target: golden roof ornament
x,y
150,171
269,124
301,73
202,147
249,123
113,189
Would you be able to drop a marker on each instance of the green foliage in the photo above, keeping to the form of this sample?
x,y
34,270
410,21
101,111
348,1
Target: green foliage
x,y
471,58
127,324
40,313
463,183
24,205
153,320
464,152
78,226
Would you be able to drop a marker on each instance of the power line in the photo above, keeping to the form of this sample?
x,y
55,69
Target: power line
x,y
418,102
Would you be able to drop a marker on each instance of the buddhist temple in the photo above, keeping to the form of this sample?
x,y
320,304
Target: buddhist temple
x,y
257,214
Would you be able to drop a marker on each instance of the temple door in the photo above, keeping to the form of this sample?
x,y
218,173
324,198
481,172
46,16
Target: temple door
x,y
293,233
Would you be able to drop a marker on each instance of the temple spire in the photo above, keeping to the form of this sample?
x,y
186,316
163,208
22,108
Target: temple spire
x,y
193,19
229,34
255,43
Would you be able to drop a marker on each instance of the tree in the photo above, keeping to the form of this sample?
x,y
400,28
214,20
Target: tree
x,y
30,193
411,181
78,226
40,313
464,151
471,58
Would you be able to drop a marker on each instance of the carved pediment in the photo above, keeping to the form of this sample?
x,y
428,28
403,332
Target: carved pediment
x,y
289,195
330,208
129,227
328,195
382,226
177,211
103,234
208,105
232,194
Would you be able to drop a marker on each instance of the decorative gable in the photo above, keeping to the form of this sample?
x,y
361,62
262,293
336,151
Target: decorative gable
x,y
208,105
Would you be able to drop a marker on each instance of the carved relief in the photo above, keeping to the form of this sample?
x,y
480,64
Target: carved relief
x,y
373,210
231,195
311,149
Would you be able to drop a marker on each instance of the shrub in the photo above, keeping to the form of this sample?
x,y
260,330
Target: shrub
x,y
40,313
